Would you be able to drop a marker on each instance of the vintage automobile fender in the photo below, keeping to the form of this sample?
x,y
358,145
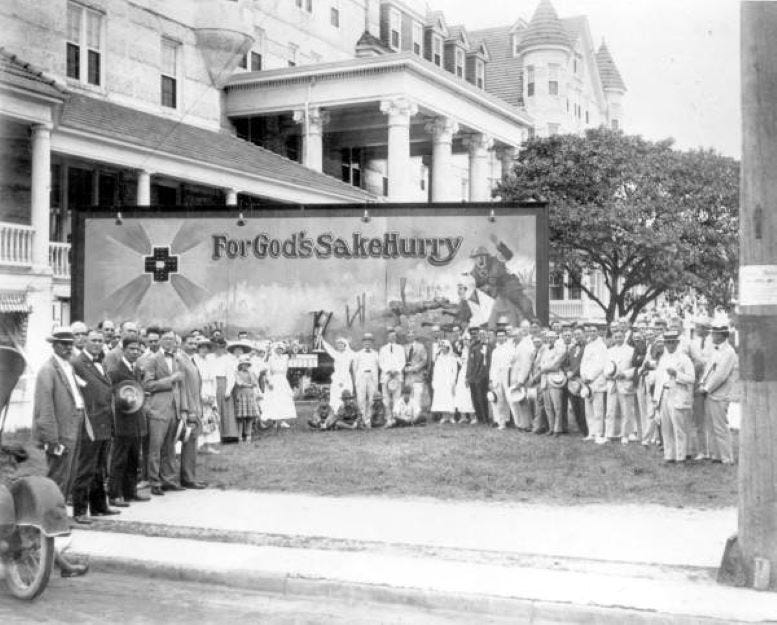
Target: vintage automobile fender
x,y
39,502
7,512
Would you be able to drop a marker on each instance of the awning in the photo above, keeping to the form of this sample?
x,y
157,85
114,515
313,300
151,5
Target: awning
x,y
14,302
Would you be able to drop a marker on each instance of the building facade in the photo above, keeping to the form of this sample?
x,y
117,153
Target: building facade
x,y
248,102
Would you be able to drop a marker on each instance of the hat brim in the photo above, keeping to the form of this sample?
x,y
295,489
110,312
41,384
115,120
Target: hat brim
x,y
54,339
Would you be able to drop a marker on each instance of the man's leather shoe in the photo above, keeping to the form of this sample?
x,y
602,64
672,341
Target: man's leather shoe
x,y
82,519
193,485
73,569
139,498
157,490
118,503
172,487
106,512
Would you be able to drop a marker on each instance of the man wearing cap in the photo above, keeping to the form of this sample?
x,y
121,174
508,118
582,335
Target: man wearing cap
x,y
163,380
499,378
92,465
700,350
592,374
553,381
520,370
673,395
79,330
129,428
718,387
365,370
621,419
391,359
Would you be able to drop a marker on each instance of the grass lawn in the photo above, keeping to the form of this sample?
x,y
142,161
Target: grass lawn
x,y
464,462
455,462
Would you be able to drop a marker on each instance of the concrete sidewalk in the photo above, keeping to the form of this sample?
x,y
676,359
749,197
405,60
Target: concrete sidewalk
x,y
638,564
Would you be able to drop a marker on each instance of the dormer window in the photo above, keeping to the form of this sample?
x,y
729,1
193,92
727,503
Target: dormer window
x,y
437,50
459,62
418,38
395,29
480,74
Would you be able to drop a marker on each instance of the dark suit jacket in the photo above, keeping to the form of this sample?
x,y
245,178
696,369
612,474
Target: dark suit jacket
x,y
113,357
478,364
127,424
166,400
54,416
192,387
573,359
98,396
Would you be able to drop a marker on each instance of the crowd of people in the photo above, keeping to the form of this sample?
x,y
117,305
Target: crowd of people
x,y
653,383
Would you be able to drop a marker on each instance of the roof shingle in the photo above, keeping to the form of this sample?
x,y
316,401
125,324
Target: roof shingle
x,y
611,77
545,28
16,72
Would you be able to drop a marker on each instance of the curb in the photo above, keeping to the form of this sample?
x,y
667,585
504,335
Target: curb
x,y
528,611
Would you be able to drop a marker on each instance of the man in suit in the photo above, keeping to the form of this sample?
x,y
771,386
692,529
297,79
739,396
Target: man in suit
x,y
391,359
520,370
499,377
92,466
621,418
365,373
128,329
192,389
80,332
478,369
129,429
718,387
576,404
592,374
163,381
417,359
58,413
553,382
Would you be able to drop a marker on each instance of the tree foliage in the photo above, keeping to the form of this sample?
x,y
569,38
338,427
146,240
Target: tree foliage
x,y
649,218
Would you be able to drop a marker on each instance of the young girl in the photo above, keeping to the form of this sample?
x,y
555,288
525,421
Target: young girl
x,y
245,401
279,398
446,367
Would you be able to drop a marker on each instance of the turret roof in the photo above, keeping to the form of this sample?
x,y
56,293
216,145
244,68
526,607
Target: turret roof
x,y
545,28
611,77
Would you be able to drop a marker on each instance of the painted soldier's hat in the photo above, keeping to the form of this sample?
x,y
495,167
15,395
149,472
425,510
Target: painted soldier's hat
x,y
479,251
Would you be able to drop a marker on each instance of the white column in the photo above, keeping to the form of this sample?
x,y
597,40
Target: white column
x,y
312,136
479,188
39,196
399,112
444,187
506,157
231,197
144,188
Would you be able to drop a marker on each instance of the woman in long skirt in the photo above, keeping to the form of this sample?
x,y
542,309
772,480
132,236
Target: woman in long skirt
x,y
209,435
279,398
463,397
245,400
223,368
342,378
446,366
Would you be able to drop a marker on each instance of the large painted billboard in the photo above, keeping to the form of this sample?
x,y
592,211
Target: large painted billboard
x,y
281,272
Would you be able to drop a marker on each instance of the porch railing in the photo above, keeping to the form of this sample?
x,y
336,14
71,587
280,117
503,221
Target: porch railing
x,y
16,244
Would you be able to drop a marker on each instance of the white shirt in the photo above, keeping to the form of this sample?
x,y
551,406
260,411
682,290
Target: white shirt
x,y
366,362
391,359
71,379
128,364
96,364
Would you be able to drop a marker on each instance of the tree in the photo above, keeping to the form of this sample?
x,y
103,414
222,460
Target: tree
x,y
649,218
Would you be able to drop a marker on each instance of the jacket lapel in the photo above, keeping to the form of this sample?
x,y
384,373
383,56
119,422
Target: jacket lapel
x,y
63,378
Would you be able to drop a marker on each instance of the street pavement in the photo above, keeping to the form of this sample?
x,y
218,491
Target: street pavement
x,y
534,563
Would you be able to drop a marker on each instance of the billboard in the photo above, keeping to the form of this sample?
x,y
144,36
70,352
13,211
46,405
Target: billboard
x,y
281,272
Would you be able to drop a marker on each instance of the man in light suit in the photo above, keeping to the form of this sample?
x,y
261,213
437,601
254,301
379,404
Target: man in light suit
x,y
673,394
519,375
621,419
162,380
499,377
391,359
718,387
553,381
365,373
192,389
700,351
92,469
592,373
415,370
575,404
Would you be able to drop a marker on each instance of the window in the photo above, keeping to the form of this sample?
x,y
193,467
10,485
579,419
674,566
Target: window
x,y
169,71
553,79
459,62
556,284
351,166
83,46
418,37
574,65
615,124
395,29
293,55
480,74
567,105
586,117
437,50
530,81
334,17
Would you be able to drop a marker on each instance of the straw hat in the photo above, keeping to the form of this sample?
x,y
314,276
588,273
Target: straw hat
x,y
517,394
61,334
610,369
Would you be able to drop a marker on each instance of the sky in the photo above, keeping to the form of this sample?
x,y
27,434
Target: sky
x,y
678,58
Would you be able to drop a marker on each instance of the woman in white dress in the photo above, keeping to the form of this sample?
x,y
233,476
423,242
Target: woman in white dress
x,y
278,399
463,396
446,367
222,368
209,434
342,377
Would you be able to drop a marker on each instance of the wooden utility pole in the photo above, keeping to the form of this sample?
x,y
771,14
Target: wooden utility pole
x,y
758,297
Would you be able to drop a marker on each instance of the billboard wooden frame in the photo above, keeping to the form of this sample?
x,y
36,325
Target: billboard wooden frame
x,y
489,210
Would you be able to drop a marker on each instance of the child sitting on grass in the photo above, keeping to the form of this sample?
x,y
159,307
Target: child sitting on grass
x,y
348,416
322,415
406,411
378,410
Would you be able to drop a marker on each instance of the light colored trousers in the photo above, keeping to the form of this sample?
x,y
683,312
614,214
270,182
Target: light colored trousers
x,y
366,387
621,415
554,407
698,428
718,432
674,422
522,414
390,398
645,407
594,413
502,407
